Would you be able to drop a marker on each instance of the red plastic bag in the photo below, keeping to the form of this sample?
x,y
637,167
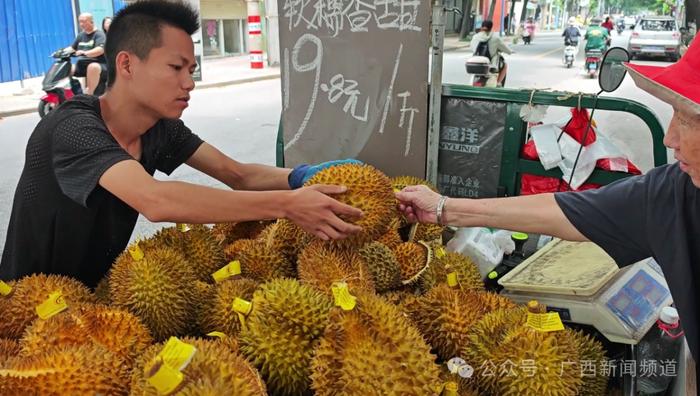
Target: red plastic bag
x,y
576,127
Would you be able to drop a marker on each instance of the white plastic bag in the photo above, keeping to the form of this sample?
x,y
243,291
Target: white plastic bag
x,y
480,245
548,151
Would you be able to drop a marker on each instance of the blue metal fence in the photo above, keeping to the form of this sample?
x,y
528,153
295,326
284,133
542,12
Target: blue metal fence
x,y
30,30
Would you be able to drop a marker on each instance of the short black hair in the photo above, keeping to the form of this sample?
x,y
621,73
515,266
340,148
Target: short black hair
x,y
104,20
487,24
137,28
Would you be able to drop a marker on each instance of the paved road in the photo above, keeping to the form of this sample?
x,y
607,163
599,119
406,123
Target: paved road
x,y
242,120
540,66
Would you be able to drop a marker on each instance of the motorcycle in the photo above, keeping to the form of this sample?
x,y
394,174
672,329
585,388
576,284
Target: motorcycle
x,y
570,51
483,74
593,58
59,84
620,28
526,37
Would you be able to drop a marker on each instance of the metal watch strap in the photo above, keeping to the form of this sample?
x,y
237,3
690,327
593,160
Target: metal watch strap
x,y
439,209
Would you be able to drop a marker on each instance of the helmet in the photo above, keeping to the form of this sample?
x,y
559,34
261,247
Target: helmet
x,y
572,21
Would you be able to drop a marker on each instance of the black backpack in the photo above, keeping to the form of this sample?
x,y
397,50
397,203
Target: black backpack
x,y
483,49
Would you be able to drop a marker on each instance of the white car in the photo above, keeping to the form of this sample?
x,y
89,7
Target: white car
x,y
655,36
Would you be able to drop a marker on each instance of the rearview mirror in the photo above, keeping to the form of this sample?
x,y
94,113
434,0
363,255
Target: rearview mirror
x,y
613,71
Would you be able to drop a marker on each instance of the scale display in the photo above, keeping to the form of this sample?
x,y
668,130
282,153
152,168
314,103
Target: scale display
x,y
637,302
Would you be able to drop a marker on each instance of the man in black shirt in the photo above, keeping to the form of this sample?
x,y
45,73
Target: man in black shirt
x,y
654,215
89,46
89,164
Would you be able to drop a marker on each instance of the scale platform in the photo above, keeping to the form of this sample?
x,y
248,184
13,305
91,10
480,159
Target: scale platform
x,y
581,282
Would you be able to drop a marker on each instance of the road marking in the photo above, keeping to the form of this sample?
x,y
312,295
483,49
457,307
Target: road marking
x,y
548,53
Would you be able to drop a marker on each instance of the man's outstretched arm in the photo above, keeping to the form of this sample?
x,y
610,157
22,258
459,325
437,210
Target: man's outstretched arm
x,y
311,208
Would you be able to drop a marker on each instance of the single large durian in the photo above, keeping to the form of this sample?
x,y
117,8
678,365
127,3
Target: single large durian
x,y
368,190
467,274
285,237
592,354
117,330
413,259
383,266
217,313
444,315
19,308
87,369
501,337
215,369
259,262
282,331
321,264
373,350
159,289
196,244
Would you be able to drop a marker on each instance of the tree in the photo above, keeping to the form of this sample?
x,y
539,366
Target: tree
x,y
466,19
692,12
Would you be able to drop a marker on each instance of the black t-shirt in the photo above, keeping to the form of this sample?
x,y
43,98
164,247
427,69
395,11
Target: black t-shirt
x,y
88,41
655,215
62,221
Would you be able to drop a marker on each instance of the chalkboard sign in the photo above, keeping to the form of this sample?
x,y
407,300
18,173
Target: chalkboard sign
x,y
355,82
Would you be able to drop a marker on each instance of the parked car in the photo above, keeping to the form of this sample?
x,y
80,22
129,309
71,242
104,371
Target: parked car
x,y
655,36
630,21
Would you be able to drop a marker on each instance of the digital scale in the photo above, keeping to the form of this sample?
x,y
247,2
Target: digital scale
x,y
585,286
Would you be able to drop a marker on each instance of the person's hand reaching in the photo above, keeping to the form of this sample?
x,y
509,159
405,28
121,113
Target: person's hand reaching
x,y
419,204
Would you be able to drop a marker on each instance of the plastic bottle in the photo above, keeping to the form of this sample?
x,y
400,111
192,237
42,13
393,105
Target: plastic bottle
x,y
660,346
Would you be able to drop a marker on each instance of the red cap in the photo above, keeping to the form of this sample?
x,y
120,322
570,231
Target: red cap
x,y
677,85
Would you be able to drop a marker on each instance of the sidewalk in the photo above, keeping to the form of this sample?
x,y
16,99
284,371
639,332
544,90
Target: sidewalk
x,y
15,100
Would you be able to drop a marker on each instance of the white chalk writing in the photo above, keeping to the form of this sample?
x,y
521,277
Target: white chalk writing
x,y
339,87
335,16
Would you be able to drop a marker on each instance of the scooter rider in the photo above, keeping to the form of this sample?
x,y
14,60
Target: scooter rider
x,y
495,48
571,34
596,36
89,46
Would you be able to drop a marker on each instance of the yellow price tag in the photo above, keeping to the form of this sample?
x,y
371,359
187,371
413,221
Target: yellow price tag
x,y
183,227
450,389
166,379
5,289
177,354
545,321
452,279
52,305
440,252
136,252
229,270
343,298
242,308
216,334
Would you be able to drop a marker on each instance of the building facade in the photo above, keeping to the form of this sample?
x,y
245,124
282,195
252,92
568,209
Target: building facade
x,y
31,30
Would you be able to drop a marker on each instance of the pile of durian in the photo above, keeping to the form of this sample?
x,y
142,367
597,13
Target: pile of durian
x,y
269,309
